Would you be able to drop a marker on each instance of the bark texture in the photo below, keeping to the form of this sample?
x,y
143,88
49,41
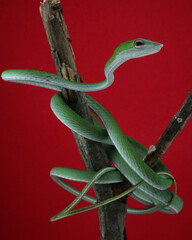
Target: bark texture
x,y
112,216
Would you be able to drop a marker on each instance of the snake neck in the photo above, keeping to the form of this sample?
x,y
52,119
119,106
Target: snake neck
x,y
114,62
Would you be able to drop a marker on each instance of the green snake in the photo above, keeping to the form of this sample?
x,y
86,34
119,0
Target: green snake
x,y
150,187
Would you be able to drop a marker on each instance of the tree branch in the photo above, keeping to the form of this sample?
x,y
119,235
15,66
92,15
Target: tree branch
x,y
175,126
111,216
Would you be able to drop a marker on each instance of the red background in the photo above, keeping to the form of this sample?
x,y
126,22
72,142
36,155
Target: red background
x,y
146,93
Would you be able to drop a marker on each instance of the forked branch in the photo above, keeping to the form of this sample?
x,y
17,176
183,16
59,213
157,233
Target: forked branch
x,y
111,216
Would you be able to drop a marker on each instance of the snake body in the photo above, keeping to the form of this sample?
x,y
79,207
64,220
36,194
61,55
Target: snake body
x,y
150,187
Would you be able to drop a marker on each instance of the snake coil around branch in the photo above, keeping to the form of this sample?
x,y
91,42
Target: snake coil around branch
x,y
149,187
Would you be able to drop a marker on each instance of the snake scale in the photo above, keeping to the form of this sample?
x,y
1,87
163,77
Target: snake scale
x,y
150,187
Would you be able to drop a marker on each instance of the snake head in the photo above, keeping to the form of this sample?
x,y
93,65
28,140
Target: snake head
x,y
131,49
137,48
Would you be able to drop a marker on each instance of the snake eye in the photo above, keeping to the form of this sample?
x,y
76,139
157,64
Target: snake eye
x,y
138,43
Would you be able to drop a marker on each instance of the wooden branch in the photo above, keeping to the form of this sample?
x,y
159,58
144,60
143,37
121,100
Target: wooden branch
x,y
175,126
111,216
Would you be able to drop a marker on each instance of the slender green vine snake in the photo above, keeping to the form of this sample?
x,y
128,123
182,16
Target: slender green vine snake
x,y
150,187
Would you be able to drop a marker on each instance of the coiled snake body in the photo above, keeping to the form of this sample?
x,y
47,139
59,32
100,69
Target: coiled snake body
x,y
149,187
